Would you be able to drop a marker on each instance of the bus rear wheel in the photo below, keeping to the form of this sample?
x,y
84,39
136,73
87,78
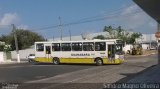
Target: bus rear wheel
x,y
56,61
99,62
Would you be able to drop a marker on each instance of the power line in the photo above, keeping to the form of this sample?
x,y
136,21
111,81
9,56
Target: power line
x,y
88,18
113,14
101,18
107,13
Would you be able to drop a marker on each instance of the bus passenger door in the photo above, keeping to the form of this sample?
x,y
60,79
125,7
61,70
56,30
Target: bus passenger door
x,y
111,52
48,53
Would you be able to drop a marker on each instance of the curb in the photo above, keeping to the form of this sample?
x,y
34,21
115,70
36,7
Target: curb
x,y
11,62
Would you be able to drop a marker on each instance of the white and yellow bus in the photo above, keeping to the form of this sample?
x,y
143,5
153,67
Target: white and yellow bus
x,y
97,52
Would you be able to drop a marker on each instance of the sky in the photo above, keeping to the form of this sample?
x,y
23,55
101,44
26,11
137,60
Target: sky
x,y
75,16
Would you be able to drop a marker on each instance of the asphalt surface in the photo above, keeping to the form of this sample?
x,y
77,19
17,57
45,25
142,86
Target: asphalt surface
x,y
26,72
48,76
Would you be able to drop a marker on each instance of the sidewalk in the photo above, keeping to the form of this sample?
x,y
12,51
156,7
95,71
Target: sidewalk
x,y
11,62
150,75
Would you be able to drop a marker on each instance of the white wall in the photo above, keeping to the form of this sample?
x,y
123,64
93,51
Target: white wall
x,y
2,57
146,38
145,46
23,53
127,47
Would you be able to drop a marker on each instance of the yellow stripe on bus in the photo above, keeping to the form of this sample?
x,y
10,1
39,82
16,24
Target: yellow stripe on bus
x,y
43,59
78,60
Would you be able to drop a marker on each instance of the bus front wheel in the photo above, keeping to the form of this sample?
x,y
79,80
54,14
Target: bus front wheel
x,y
99,61
56,61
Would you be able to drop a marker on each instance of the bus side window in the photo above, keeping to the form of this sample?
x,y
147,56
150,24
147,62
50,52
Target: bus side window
x,y
88,46
56,47
66,46
40,47
77,46
100,46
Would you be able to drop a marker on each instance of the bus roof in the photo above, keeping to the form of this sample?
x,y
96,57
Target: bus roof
x,y
95,40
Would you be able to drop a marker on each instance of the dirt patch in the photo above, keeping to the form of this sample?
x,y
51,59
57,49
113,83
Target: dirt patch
x,y
145,53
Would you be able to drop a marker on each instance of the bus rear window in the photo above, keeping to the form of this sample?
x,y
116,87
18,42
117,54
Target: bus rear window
x,y
40,47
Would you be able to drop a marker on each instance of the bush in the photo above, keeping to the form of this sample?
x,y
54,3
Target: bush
x,y
1,47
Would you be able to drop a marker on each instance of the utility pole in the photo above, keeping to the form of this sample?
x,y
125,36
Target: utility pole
x,y
16,42
70,35
60,26
53,38
150,43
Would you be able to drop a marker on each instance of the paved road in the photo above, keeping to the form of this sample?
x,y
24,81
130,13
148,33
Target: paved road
x,y
82,76
27,72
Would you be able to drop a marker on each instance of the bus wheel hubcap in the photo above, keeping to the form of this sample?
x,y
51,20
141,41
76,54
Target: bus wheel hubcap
x,y
99,61
55,62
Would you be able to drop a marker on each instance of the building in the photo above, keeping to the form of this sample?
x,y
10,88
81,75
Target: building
x,y
148,41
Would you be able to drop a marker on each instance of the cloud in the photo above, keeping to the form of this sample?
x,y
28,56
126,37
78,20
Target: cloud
x,y
136,17
8,19
130,9
133,17
23,27
153,24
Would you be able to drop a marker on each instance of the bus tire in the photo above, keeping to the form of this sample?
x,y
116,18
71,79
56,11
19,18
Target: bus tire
x,y
34,62
99,61
56,61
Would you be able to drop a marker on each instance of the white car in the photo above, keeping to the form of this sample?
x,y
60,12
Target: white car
x,y
31,57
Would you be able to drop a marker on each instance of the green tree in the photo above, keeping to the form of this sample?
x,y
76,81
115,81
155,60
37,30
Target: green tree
x,y
134,36
99,37
1,47
119,33
25,38
110,30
